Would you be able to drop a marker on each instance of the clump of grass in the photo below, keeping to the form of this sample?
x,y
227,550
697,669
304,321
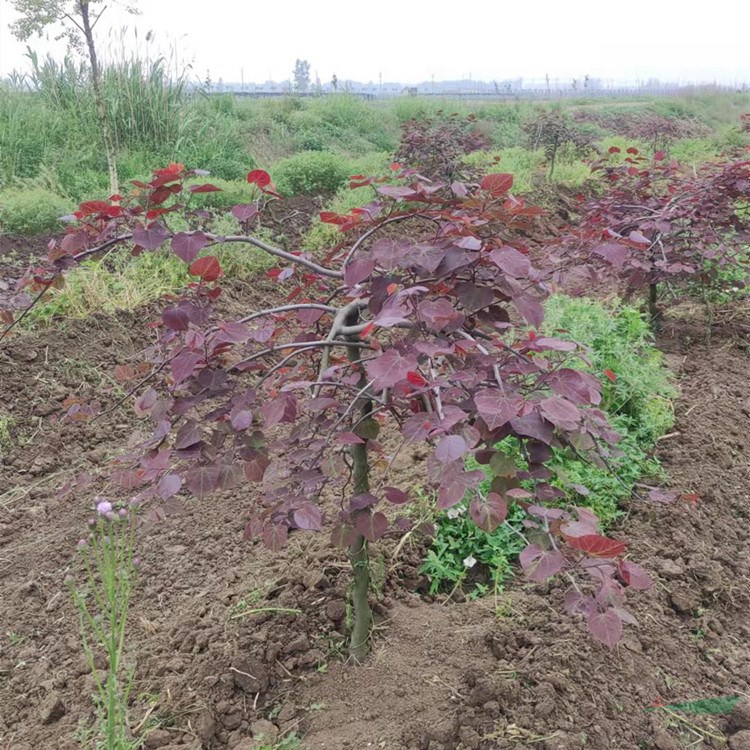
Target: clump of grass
x,y
6,439
31,211
311,173
320,235
121,282
525,165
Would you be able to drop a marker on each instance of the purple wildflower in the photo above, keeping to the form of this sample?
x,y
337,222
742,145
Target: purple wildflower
x,y
104,507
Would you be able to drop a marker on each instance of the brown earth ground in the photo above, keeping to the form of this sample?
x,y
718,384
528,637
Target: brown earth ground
x,y
509,673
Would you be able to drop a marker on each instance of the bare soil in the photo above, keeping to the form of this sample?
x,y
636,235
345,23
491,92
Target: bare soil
x,y
514,672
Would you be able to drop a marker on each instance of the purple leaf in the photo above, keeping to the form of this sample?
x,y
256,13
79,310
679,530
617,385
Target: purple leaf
x,y
425,257
395,496
280,410
371,526
469,243
175,318
255,466
488,513
578,387
186,246
539,564
150,238
560,412
634,575
274,536
203,480
349,438
399,192
450,448
189,434
613,252
494,408
245,211
241,418
531,309
183,365
474,297
441,315
577,603
662,496
169,485
545,343
308,517
509,260
390,368
455,486
389,253
144,402
365,500
395,310
358,270
605,627
234,333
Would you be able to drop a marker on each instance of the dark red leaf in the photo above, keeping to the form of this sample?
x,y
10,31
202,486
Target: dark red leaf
x,y
207,268
259,177
596,545
497,183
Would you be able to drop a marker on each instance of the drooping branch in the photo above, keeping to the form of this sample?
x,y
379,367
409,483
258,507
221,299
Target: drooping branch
x,y
287,308
299,346
278,252
216,240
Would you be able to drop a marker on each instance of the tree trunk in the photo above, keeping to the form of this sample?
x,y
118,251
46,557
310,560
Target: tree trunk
x,y
101,107
653,310
359,644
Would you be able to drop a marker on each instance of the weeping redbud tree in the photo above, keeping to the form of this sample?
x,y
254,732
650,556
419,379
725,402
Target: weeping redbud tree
x,y
659,224
421,323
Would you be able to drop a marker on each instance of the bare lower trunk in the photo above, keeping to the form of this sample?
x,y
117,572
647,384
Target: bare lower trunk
x,y
653,310
359,645
101,107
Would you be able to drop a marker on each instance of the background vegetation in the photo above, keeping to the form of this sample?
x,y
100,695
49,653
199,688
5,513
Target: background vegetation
x,y
49,134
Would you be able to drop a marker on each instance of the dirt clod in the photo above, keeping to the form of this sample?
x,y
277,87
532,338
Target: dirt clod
x,y
739,719
52,709
265,730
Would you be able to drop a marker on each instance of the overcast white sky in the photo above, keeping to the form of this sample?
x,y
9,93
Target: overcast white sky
x,y
412,40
